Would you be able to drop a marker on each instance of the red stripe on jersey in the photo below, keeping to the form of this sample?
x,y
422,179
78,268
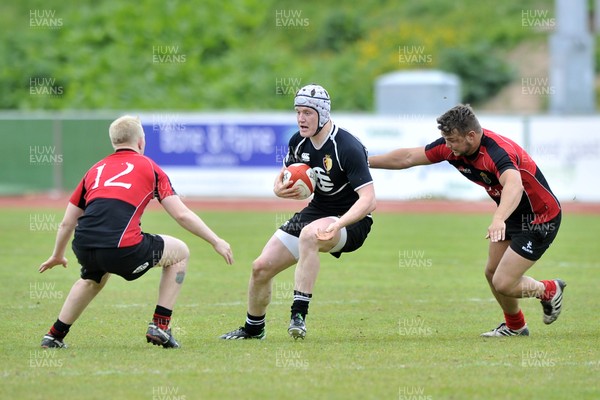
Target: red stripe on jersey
x,y
495,155
131,235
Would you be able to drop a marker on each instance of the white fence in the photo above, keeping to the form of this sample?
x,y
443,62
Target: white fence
x,y
238,155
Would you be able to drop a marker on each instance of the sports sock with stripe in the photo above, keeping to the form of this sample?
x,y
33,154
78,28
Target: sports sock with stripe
x,y
300,304
254,324
59,330
550,290
162,317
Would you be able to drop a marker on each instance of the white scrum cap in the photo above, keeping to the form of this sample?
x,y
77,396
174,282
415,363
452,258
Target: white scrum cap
x,y
317,98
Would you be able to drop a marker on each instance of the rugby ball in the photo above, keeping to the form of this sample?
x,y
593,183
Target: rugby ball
x,y
302,176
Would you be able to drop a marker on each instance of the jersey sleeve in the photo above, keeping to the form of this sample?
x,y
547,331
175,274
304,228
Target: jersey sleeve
x,y
78,196
503,157
437,151
503,161
163,187
355,161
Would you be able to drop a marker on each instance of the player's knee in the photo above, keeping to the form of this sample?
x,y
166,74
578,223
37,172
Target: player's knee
x,y
489,274
185,252
308,236
261,270
104,280
174,252
90,285
502,285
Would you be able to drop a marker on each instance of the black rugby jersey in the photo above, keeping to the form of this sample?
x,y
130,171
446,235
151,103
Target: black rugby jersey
x,y
341,167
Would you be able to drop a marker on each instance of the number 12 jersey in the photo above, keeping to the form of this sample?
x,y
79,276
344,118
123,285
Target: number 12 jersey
x,y
113,194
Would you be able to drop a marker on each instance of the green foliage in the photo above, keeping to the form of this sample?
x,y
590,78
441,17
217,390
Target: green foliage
x,y
482,73
176,54
340,29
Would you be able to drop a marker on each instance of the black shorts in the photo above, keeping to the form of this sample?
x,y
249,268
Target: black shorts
x,y
531,240
127,262
356,232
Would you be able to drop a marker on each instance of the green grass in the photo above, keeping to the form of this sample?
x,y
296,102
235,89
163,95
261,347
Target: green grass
x,y
376,330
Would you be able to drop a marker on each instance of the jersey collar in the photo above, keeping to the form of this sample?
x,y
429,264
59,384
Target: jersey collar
x,y
332,129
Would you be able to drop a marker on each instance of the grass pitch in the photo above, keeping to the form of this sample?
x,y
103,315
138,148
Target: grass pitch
x,y
398,319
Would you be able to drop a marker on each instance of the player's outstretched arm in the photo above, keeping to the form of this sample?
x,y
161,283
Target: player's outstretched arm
x,y
194,224
400,159
65,232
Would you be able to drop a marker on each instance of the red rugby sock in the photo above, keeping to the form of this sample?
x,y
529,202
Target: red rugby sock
x,y
515,321
550,290
162,317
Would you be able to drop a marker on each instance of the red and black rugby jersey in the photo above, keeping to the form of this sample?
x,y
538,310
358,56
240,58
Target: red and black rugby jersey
x,y
113,194
495,155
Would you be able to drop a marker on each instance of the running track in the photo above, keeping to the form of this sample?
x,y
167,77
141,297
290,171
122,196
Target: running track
x,y
278,205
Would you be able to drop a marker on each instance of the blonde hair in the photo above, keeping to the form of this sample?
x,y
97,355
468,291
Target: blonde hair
x,y
125,130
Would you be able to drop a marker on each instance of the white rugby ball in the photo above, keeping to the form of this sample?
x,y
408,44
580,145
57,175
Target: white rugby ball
x,y
302,176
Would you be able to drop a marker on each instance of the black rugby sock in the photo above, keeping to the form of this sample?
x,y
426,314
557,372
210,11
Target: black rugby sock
x,y
300,304
162,317
254,324
59,330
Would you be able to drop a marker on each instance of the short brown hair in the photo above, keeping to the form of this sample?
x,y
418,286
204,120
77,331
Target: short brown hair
x,y
462,118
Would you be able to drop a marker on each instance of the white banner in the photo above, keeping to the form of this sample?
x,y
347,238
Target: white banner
x,y
566,149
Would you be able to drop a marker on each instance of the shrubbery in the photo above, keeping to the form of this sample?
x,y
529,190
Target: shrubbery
x,y
182,55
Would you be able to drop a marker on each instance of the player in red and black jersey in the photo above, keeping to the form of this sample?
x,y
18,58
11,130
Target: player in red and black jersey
x,y
104,212
524,224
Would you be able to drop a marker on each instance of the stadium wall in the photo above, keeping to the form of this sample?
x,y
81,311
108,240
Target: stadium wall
x,y
238,154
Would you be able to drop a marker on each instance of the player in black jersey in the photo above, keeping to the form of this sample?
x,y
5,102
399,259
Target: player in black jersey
x,y
337,219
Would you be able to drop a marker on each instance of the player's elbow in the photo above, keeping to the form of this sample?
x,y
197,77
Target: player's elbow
x,y
373,206
67,225
183,217
370,204
520,188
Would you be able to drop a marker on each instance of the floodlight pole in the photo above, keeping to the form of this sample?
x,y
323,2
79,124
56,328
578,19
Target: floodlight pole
x,y
572,60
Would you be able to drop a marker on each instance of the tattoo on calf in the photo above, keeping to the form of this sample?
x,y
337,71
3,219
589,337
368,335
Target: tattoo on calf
x,y
179,277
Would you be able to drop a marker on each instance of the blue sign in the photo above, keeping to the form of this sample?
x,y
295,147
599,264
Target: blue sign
x,y
218,145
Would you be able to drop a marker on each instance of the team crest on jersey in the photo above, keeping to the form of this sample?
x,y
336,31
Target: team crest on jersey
x,y
485,178
327,163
